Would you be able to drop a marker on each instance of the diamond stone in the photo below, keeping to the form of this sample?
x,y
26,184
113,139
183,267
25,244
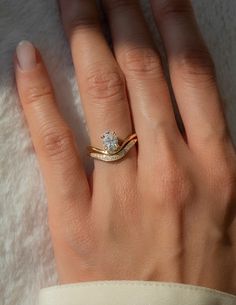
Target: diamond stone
x,y
110,141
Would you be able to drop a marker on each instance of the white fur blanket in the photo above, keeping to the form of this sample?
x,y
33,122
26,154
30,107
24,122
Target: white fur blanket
x,y
26,257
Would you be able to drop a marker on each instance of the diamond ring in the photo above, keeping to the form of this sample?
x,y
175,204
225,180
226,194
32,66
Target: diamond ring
x,y
112,150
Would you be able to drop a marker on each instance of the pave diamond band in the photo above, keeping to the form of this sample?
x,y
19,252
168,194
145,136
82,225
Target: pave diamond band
x,y
114,157
113,150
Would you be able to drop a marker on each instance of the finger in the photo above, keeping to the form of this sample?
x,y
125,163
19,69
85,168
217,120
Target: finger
x,y
141,64
101,82
192,72
65,180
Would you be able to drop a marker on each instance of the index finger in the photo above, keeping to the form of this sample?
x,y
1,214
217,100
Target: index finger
x,y
65,180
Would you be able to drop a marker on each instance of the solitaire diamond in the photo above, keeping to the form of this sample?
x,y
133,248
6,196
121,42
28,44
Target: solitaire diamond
x,y
110,141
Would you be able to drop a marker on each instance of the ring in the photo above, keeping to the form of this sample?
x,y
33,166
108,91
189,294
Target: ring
x,y
113,149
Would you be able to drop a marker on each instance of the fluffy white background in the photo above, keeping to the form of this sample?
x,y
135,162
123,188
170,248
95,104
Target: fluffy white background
x,y
26,258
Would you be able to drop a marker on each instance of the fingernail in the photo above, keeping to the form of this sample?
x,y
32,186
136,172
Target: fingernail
x,y
26,55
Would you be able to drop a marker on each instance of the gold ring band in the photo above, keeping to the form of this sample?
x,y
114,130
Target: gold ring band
x,y
113,150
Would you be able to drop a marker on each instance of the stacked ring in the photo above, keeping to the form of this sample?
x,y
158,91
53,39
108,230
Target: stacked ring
x,y
113,148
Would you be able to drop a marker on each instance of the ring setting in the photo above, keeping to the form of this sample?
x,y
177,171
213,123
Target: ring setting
x,y
110,142
113,148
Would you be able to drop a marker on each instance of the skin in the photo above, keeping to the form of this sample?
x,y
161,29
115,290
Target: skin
x,y
167,211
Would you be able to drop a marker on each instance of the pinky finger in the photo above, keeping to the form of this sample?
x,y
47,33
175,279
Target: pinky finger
x,y
65,180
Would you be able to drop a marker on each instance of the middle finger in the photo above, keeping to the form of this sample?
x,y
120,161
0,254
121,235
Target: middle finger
x,y
150,100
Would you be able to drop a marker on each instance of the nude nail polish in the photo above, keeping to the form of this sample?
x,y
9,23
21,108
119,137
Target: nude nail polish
x,y
26,55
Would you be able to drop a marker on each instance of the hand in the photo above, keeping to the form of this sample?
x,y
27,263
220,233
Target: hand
x,y
166,212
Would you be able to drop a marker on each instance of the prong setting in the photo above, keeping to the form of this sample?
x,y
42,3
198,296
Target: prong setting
x,y
110,142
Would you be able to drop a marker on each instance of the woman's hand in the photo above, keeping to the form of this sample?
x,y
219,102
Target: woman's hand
x,y
165,212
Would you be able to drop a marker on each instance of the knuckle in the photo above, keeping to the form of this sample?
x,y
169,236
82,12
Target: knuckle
x,y
197,65
106,83
75,232
39,93
142,62
220,173
117,4
57,142
215,137
173,9
177,187
80,23
79,236
78,17
224,181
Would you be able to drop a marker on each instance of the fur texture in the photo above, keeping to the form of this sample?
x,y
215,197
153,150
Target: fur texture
x,y
26,257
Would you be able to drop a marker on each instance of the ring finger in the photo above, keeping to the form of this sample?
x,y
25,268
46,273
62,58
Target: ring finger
x,y
101,82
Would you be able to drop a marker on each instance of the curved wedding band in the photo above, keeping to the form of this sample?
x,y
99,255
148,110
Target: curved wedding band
x,y
112,151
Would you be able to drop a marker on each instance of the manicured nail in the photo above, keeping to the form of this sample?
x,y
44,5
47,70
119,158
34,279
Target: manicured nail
x,y
26,55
